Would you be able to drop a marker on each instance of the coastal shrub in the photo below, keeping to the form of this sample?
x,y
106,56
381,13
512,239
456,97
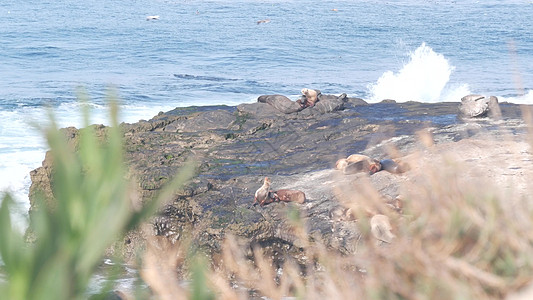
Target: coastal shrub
x,y
94,206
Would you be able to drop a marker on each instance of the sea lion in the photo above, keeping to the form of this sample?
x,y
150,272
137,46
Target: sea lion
x,y
281,103
310,97
340,213
262,195
263,21
357,163
150,18
289,196
381,228
343,162
330,103
396,204
394,167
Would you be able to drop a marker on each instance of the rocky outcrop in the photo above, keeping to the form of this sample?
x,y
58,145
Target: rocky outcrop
x,y
474,106
236,147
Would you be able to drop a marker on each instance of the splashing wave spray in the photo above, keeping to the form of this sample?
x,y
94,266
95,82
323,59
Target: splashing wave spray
x,y
423,78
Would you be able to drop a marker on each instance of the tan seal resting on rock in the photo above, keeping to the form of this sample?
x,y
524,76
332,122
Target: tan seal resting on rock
x,y
381,228
285,195
262,194
357,163
311,97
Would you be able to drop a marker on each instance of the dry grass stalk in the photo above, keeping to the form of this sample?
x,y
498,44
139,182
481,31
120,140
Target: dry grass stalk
x,y
456,238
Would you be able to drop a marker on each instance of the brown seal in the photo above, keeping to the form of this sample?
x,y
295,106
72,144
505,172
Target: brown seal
x,y
309,99
289,196
357,163
262,195
340,213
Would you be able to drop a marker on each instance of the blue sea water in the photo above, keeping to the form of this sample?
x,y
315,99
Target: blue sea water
x,y
215,52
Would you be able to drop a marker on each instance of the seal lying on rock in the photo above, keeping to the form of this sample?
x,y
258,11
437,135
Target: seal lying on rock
x,y
330,103
262,195
339,213
309,99
473,106
381,228
281,103
357,163
289,196
393,166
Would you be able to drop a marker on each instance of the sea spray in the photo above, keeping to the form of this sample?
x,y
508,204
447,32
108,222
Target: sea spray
x,y
422,78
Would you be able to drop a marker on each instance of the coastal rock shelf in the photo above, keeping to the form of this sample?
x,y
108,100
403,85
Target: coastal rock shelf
x,y
236,147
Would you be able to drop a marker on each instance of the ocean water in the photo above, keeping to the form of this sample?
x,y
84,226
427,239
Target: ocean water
x,y
215,52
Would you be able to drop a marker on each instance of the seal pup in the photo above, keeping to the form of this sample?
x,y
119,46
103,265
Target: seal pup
x,y
340,213
309,99
381,229
285,195
394,166
262,194
395,204
357,163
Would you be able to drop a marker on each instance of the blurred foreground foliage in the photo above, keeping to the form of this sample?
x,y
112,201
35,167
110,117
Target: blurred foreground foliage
x,y
93,207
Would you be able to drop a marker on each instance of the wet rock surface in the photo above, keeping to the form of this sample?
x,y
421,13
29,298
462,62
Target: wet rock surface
x,y
236,147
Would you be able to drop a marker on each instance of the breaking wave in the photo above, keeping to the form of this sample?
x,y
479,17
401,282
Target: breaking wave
x,y
423,78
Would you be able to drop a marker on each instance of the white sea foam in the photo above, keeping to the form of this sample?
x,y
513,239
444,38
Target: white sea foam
x,y
526,98
423,78
22,147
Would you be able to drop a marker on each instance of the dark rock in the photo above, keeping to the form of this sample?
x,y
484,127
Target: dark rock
x,y
353,101
260,110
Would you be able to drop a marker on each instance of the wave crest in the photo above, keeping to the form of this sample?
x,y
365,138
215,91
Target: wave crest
x,y
422,78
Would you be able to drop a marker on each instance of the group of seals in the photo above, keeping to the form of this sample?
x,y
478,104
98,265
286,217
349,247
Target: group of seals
x,y
359,163
284,104
320,103
380,225
264,195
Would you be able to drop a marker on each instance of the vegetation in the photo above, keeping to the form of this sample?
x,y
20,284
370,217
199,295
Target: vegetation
x,y
94,207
